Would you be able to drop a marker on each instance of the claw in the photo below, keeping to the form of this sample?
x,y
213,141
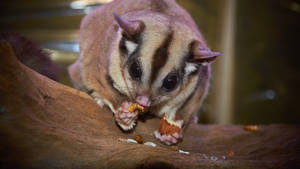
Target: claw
x,y
127,127
176,135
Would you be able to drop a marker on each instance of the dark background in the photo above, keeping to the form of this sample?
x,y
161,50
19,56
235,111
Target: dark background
x,y
262,63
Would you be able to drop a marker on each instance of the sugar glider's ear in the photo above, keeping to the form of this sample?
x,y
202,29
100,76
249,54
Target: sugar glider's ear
x,y
200,54
131,28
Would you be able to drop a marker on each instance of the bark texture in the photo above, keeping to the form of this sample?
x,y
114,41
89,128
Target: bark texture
x,y
44,124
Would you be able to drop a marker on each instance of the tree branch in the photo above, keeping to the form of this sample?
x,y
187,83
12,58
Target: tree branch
x,y
44,124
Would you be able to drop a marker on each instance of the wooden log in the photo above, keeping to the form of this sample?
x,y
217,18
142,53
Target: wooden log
x,y
44,124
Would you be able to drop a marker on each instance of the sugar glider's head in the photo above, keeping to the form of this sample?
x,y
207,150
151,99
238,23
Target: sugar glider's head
x,y
156,58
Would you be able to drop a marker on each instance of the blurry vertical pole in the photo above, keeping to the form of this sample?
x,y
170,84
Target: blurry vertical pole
x,y
224,86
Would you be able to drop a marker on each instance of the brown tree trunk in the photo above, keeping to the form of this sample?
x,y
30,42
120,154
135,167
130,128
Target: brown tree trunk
x,y
44,124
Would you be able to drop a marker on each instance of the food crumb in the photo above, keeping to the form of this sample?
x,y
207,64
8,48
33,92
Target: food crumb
x,y
174,148
150,144
183,152
252,128
230,153
213,158
127,140
131,141
139,139
136,107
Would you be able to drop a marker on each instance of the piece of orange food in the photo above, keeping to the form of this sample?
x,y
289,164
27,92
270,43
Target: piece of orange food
x,y
136,107
252,128
168,127
174,148
139,139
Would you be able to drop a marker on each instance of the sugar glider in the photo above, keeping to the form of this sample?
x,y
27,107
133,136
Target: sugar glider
x,y
148,52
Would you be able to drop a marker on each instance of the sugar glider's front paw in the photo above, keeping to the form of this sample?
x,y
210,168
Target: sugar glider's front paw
x,y
168,139
170,131
125,118
102,102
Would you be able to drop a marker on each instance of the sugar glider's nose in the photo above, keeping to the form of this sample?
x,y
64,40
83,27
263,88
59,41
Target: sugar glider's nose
x,y
144,100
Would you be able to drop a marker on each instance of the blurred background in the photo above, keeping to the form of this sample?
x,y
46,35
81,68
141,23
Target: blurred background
x,y
256,81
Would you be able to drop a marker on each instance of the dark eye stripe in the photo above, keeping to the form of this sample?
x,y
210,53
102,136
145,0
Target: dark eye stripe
x,y
122,47
160,57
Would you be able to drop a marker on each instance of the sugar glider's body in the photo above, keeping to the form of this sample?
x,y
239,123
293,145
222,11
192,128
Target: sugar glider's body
x,y
144,51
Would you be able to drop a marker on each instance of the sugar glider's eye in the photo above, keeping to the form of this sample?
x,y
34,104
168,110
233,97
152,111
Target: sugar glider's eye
x,y
135,70
170,82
